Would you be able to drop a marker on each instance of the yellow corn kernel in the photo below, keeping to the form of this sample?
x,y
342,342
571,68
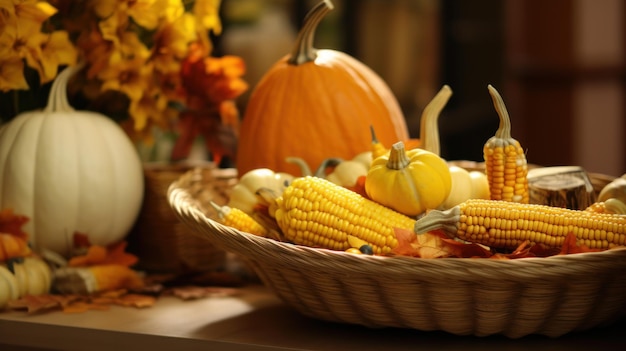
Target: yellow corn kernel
x,y
610,205
505,161
315,212
507,224
236,218
597,207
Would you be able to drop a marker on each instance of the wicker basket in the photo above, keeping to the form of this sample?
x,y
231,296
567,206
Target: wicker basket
x,y
162,243
548,296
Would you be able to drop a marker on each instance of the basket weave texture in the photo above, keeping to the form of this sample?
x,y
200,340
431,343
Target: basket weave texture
x,y
164,244
547,296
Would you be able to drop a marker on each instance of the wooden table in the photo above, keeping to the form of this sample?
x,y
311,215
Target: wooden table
x,y
252,320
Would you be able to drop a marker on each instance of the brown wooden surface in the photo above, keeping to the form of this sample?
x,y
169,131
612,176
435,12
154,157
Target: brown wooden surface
x,y
253,320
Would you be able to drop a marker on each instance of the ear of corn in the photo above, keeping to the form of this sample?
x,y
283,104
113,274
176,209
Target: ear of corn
x,y
505,161
610,205
236,218
315,212
503,224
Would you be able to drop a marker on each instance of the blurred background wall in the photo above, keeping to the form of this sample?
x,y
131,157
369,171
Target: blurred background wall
x,y
560,66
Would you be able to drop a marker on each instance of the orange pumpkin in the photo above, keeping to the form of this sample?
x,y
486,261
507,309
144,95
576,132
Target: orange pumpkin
x,y
315,104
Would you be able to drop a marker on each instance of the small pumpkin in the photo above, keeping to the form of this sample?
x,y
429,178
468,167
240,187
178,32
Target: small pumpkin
x,y
409,182
23,276
243,194
69,171
465,185
316,104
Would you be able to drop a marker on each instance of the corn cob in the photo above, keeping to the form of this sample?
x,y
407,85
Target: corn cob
x,y
315,212
505,161
610,205
503,224
236,218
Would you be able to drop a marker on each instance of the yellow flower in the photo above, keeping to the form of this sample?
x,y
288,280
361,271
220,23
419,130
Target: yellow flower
x,y
56,50
172,43
207,14
150,106
30,10
12,76
145,13
172,9
128,70
22,38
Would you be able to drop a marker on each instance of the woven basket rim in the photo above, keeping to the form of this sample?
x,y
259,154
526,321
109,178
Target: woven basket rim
x,y
278,253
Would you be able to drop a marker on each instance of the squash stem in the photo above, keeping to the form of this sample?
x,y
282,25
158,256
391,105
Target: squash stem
x,y
429,128
303,50
504,130
397,157
57,100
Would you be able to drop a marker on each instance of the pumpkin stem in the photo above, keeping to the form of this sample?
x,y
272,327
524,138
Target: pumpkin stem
x,y
429,129
504,130
398,158
303,50
57,100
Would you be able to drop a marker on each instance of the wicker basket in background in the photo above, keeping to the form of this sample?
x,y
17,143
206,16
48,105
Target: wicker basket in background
x,y
164,244
548,296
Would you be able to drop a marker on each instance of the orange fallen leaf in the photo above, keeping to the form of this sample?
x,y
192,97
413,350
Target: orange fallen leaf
x,y
113,254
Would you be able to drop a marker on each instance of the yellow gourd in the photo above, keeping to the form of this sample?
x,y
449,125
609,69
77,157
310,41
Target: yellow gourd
x,y
409,182
243,194
347,173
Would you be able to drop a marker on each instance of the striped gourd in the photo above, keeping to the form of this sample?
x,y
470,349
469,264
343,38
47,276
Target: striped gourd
x,y
503,224
505,161
315,212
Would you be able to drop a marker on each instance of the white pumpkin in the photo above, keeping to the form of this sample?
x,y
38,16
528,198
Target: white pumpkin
x,y
69,171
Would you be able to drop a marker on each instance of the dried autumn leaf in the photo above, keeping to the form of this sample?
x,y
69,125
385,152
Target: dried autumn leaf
x,y
359,187
191,292
81,240
571,246
12,223
135,300
435,244
43,302
114,254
